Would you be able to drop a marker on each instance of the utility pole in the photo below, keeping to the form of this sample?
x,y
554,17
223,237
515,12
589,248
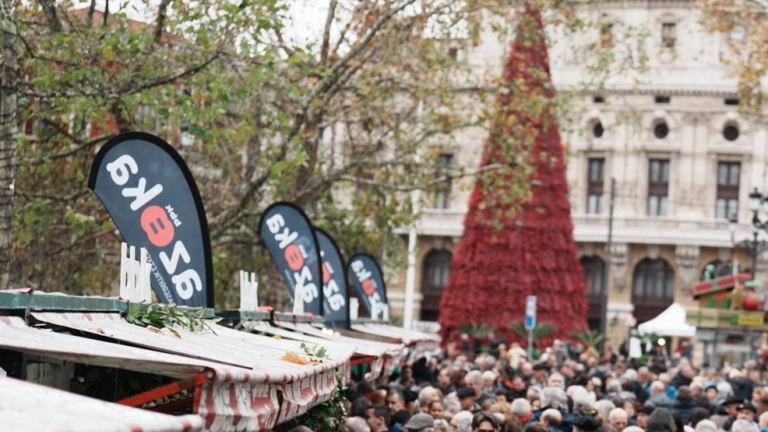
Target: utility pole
x,y
608,247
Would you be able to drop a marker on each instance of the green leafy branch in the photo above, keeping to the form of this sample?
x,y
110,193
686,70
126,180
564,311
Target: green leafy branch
x,y
316,351
163,316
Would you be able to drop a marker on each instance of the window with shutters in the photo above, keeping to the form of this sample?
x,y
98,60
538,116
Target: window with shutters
x,y
595,175
658,187
728,177
443,188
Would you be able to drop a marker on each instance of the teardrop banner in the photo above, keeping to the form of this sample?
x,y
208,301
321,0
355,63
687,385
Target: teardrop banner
x,y
153,200
369,282
335,290
291,240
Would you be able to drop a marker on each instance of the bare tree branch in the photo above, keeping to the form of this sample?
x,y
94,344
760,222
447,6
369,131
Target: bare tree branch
x,y
91,11
160,19
327,31
49,9
114,91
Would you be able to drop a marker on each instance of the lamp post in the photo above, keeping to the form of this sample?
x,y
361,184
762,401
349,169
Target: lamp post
x,y
753,246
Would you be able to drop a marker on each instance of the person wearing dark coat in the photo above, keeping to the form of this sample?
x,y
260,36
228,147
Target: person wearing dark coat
x,y
661,421
685,405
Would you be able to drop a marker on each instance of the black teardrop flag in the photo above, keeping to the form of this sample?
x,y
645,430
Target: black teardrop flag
x,y
153,200
335,291
369,282
291,241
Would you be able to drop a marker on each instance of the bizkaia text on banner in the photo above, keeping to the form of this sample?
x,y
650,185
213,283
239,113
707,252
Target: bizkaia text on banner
x,y
153,200
369,283
291,241
335,290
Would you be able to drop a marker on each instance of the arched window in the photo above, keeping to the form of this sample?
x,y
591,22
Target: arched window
x,y
594,275
434,279
653,288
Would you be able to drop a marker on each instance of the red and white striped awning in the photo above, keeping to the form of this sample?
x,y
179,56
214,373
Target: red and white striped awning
x,y
32,407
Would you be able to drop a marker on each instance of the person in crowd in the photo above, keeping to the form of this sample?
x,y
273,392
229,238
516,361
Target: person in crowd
x,y
744,426
489,383
604,408
556,380
661,421
684,405
763,422
435,409
377,417
474,380
420,423
535,427
586,423
552,420
467,398
535,404
711,393
618,418
359,406
398,420
451,407
485,422
699,414
731,407
706,426
747,412
458,418
642,416
444,383
395,401
659,397
522,409
427,395
502,396
357,424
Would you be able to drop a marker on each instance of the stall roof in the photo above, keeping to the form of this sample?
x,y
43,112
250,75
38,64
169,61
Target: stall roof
x,y
25,406
387,355
302,385
257,405
408,336
223,345
671,322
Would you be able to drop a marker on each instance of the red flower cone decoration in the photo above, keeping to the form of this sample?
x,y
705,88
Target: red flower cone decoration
x,y
506,255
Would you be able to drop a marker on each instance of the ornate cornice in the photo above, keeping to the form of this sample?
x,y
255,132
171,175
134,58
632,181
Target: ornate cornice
x,y
660,91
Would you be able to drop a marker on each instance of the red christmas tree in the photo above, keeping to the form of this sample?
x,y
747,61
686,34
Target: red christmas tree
x,y
511,250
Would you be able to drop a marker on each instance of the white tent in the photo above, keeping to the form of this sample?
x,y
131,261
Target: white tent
x,y
671,322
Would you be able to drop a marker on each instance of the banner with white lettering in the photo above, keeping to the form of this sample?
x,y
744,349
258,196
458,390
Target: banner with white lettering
x,y
153,200
290,239
369,283
335,291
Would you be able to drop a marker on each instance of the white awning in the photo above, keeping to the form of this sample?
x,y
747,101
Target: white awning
x,y
32,407
671,322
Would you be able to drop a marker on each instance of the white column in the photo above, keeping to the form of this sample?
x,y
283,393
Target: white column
x,y
410,278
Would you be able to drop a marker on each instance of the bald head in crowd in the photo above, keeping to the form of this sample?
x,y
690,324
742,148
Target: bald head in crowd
x,y
552,418
618,418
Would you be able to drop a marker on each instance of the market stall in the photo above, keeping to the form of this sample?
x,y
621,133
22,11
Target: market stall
x,y
31,407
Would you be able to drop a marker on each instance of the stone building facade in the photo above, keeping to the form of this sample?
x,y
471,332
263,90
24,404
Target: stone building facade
x,y
671,136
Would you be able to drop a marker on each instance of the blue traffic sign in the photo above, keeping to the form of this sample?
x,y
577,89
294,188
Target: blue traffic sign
x,y
530,312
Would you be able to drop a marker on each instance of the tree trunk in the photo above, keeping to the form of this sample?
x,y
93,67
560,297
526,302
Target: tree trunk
x,y
8,131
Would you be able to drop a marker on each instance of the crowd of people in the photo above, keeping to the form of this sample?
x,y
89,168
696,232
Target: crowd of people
x,y
563,391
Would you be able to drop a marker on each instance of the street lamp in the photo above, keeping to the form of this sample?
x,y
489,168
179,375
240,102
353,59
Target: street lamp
x,y
753,246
